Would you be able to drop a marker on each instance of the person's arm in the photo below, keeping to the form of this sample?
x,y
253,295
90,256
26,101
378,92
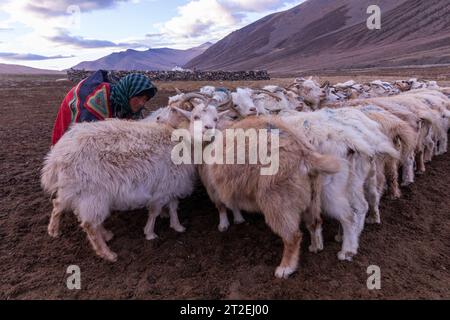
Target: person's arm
x,y
63,120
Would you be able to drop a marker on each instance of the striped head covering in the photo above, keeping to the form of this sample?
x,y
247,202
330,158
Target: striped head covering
x,y
128,87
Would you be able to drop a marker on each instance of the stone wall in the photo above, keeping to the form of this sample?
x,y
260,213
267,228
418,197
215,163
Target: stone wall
x,y
78,75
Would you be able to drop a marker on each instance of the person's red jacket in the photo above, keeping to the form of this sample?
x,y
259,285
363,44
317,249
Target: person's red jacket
x,y
63,119
88,101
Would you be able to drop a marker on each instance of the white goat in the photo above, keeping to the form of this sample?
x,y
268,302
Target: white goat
x,y
114,165
343,193
385,151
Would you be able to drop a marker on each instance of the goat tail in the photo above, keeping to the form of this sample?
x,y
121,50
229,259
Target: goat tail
x,y
49,175
407,137
387,148
325,164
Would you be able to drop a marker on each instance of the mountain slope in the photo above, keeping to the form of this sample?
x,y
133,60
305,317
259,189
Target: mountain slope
x,y
18,69
331,34
152,59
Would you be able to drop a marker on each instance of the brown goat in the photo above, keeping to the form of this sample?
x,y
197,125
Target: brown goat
x,y
284,197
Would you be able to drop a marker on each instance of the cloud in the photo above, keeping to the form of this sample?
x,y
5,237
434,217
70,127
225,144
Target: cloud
x,y
65,38
253,5
55,8
154,35
192,21
30,56
193,25
53,28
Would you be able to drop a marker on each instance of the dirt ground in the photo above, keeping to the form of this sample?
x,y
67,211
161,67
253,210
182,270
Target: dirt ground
x,y
412,246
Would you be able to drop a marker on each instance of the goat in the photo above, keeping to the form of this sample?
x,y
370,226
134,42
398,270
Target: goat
x,y
421,126
242,187
385,152
310,91
343,193
114,165
403,137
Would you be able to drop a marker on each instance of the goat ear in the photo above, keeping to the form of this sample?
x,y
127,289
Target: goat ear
x,y
185,113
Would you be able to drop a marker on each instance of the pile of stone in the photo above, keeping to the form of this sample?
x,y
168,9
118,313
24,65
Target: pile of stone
x,y
78,75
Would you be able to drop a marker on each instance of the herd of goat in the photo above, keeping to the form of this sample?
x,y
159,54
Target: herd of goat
x,y
341,147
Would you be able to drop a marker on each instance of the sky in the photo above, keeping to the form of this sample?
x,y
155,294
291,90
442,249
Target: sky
x,y
58,34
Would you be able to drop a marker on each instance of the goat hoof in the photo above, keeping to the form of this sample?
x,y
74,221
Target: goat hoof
x,y
224,227
109,256
239,221
315,249
284,272
395,195
373,220
179,228
407,183
346,255
53,233
151,236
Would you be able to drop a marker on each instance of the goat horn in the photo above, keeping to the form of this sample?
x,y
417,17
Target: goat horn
x,y
292,85
273,95
226,103
189,96
233,107
207,96
178,91
274,110
229,104
279,89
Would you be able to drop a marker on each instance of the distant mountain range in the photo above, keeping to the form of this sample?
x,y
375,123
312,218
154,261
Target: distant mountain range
x,y
17,69
315,35
152,59
333,34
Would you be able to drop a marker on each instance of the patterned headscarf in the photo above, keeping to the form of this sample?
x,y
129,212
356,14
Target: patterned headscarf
x,y
128,87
